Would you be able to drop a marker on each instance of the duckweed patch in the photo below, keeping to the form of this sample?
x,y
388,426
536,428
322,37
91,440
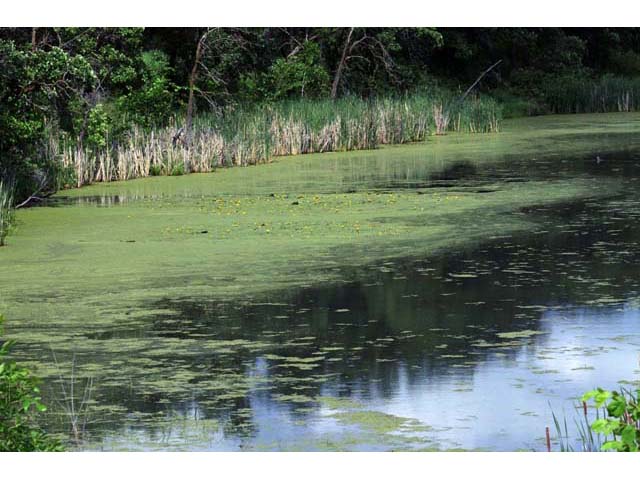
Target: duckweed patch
x,y
520,334
377,422
404,280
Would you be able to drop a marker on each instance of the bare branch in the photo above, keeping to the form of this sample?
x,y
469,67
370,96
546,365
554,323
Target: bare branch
x,y
343,59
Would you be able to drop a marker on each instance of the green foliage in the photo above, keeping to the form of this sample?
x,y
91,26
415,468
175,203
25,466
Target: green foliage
x,y
623,420
154,101
97,127
574,94
155,170
36,87
112,53
6,209
177,170
229,55
301,75
19,404
514,105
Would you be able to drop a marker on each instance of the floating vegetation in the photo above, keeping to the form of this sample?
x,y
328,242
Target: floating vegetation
x,y
540,371
377,422
337,403
484,344
520,334
296,398
276,337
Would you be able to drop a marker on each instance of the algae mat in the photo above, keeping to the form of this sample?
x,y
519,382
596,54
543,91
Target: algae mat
x,y
250,307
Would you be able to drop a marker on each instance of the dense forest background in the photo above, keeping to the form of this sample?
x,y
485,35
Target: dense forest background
x,y
90,86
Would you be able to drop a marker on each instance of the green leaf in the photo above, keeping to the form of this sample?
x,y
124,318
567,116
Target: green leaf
x,y
601,397
617,406
628,436
605,426
589,395
613,445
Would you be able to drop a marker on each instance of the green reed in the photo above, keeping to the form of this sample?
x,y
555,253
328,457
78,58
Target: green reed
x,y
248,135
580,95
581,437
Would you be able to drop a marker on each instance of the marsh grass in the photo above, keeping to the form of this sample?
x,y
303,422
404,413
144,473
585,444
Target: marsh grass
x,y
251,135
606,94
584,437
75,400
6,209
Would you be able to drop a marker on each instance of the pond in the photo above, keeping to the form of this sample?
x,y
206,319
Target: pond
x,y
445,295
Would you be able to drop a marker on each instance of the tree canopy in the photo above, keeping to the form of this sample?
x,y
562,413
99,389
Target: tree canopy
x,y
91,83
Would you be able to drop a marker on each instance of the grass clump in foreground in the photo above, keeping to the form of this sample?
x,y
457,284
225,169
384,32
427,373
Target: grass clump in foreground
x,y
616,425
19,403
621,425
252,135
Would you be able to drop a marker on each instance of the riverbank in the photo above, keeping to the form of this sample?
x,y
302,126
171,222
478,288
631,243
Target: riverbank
x,y
250,135
241,136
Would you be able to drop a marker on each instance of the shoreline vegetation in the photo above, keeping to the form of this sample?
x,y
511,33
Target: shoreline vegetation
x,y
251,135
84,105
245,244
6,209
614,424
20,406
241,136
603,95
254,135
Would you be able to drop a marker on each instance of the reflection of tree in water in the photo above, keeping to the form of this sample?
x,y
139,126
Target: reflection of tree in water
x,y
410,320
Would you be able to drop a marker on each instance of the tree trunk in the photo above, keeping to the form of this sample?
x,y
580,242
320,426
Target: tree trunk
x,y
343,60
192,86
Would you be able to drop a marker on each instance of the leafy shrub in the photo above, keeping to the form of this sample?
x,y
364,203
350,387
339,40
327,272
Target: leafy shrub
x,y
97,127
6,210
65,177
622,422
154,101
301,75
155,170
177,170
19,402
37,87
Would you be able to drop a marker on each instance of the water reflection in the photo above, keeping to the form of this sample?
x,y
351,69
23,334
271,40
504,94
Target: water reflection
x,y
499,400
463,350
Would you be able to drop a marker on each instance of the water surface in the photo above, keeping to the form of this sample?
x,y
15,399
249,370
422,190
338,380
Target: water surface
x,y
439,296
